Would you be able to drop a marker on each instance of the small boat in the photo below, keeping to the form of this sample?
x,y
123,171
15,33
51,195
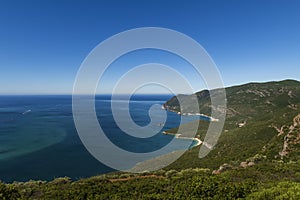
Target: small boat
x,y
27,111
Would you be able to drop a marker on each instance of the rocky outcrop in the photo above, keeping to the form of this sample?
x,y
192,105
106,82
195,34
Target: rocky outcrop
x,y
291,137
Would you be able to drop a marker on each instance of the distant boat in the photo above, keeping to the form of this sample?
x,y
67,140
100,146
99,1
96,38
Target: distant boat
x,y
27,111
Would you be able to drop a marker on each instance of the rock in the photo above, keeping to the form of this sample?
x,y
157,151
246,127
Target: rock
x,y
244,164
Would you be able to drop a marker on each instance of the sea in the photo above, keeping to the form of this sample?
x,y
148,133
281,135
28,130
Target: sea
x,y
39,141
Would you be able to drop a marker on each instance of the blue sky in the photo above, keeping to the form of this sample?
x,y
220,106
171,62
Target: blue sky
x,y
43,43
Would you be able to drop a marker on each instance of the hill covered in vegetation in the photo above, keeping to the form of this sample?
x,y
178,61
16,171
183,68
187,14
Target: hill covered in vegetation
x,y
262,123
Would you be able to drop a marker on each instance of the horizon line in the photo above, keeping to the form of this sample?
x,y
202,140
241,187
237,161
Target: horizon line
x,y
230,85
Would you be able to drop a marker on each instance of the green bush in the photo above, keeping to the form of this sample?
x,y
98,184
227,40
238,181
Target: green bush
x,y
283,190
8,192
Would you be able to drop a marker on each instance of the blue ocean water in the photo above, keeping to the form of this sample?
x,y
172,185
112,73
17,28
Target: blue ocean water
x,y
38,138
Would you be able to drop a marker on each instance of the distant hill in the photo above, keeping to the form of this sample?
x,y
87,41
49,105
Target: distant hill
x,y
245,99
262,121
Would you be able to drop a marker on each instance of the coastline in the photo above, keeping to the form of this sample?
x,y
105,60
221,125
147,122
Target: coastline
x,y
160,161
209,118
178,136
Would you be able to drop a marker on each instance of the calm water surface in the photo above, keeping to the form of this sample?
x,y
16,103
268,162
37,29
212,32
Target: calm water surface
x,y
38,139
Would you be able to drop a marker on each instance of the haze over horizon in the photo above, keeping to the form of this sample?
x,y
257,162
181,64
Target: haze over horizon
x,y
43,43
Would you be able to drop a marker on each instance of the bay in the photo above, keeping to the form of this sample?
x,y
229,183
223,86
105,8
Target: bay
x,y
39,141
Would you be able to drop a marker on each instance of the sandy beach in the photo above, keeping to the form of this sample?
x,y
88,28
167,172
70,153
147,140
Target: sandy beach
x,y
177,135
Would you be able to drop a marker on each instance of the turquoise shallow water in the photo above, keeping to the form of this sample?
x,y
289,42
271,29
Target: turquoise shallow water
x,y
38,139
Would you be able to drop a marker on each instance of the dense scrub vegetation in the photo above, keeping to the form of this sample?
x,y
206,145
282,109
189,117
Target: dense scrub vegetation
x,y
264,181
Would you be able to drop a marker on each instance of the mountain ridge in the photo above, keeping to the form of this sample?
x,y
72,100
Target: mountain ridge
x,y
255,113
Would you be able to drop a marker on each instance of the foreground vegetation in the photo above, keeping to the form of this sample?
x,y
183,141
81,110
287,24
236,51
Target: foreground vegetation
x,y
262,181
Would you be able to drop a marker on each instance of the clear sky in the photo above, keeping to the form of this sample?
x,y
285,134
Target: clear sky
x,y
43,43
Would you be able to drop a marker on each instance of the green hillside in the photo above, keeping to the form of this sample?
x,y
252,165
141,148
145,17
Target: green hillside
x,y
262,121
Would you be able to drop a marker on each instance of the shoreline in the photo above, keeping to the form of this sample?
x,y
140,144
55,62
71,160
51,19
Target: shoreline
x,y
178,136
211,119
